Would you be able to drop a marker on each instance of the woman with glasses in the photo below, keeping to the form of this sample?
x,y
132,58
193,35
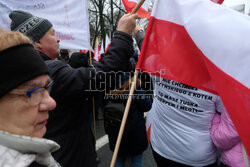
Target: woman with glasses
x,y
24,104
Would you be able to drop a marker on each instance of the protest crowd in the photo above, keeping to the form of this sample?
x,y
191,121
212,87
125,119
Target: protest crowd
x,y
187,109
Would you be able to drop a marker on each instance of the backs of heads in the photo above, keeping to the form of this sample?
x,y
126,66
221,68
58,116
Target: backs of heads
x,y
79,59
64,52
64,55
102,56
92,54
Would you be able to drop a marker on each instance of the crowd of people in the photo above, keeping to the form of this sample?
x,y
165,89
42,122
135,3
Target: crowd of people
x,y
35,82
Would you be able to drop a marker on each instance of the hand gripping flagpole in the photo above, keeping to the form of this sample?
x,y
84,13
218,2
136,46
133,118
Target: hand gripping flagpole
x,y
125,115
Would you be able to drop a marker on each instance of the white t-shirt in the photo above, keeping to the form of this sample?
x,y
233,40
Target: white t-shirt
x,y
180,121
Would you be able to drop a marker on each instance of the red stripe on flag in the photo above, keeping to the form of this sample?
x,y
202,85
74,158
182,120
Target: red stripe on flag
x,y
169,47
83,51
107,48
236,99
148,133
218,1
129,6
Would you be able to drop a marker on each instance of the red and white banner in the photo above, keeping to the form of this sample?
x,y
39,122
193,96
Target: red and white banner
x,y
107,43
142,12
70,19
205,45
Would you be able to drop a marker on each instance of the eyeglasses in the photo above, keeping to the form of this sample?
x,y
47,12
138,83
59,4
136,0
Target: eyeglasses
x,y
35,95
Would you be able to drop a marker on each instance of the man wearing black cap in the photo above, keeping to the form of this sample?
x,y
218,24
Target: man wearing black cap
x,y
39,30
70,123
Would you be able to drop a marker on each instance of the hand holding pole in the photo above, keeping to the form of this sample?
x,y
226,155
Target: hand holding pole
x,y
125,115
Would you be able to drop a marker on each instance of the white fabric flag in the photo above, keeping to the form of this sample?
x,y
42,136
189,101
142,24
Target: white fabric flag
x,y
107,43
97,52
69,18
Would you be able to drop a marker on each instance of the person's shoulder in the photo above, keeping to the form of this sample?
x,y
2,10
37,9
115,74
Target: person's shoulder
x,y
54,62
57,65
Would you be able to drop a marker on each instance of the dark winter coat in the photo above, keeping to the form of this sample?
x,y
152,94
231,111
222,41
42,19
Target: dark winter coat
x,y
70,123
139,37
134,140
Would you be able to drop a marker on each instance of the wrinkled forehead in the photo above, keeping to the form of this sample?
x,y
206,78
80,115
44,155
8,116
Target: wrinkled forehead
x,y
41,80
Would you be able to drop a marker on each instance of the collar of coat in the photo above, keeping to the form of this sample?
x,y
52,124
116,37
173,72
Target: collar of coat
x,y
23,150
25,144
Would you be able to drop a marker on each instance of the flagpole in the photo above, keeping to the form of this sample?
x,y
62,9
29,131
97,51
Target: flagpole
x,y
124,119
90,59
131,93
137,6
93,100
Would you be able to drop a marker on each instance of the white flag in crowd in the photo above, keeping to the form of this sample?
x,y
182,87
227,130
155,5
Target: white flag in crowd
x,y
97,50
69,18
107,43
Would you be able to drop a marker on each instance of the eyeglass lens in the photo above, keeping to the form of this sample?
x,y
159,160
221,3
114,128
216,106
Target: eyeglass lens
x,y
37,96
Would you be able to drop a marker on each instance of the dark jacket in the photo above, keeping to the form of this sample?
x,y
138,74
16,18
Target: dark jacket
x,y
139,37
70,123
34,164
134,140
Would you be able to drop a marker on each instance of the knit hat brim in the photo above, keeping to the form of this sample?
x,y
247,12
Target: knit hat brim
x,y
31,26
19,64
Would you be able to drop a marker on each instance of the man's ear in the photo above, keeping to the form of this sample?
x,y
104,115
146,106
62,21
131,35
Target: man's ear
x,y
37,45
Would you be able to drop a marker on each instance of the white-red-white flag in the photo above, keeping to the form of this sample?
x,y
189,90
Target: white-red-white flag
x,y
107,43
143,10
204,45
